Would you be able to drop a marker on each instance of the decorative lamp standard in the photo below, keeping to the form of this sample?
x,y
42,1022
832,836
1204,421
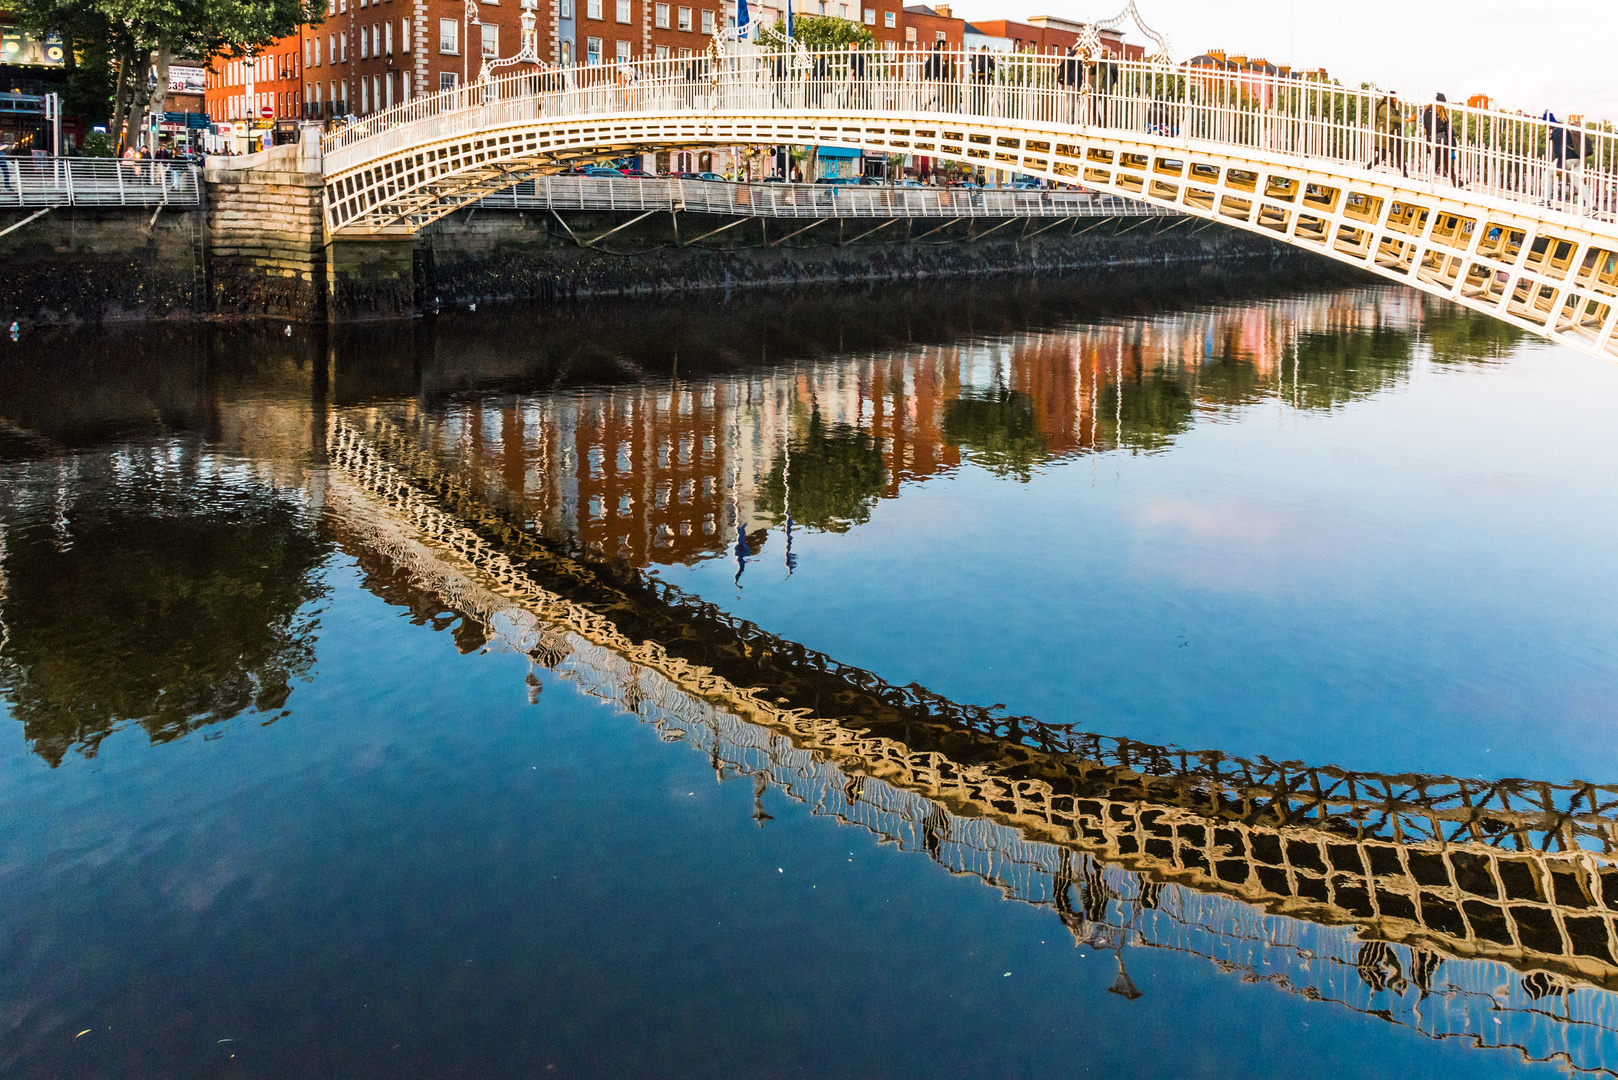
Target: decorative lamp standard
x,y
469,18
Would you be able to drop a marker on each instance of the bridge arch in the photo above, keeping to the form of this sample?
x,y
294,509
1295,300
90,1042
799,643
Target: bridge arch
x,y
1511,216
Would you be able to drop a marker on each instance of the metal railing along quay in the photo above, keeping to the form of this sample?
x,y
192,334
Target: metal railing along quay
x,y
809,200
62,181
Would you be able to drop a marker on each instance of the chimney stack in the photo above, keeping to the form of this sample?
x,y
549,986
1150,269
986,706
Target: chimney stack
x,y
942,9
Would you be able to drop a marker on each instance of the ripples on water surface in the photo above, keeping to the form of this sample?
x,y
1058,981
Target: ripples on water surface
x,y
654,690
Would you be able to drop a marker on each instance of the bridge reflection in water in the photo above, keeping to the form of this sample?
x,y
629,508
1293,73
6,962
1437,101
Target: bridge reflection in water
x,y
1461,908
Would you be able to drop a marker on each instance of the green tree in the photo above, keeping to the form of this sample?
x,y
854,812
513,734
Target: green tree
x,y
820,32
137,39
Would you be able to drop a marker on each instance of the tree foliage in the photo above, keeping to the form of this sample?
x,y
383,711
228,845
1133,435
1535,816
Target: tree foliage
x,y
126,45
820,32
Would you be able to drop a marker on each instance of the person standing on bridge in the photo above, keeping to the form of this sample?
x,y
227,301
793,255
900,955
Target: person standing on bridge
x,y
1435,128
932,73
1388,127
982,76
1070,78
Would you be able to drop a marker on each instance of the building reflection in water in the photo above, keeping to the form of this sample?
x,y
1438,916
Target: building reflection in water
x,y
664,470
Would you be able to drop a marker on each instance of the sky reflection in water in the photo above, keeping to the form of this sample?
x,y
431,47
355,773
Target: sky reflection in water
x,y
1343,528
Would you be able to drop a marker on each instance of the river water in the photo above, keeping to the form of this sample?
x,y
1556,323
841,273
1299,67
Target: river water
x,y
1191,676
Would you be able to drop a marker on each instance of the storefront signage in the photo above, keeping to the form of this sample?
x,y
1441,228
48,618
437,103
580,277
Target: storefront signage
x,y
187,79
18,47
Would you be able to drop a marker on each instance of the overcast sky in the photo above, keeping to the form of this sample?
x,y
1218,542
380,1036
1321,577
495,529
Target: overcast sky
x,y
1532,55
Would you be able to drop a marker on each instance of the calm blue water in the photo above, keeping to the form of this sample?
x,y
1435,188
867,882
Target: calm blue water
x,y
273,804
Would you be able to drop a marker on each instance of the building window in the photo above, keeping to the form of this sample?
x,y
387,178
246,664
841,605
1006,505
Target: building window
x,y
938,35
446,80
623,52
707,22
870,16
567,9
685,19
404,35
592,50
593,9
447,40
890,20
910,34
684,53
623,11
567,52
661,52
662,16
491,39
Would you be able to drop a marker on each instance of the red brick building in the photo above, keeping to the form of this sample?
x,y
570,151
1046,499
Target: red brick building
x,y
925,26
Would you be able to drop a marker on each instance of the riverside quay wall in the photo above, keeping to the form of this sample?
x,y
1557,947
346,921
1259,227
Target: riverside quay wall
x,y
256,249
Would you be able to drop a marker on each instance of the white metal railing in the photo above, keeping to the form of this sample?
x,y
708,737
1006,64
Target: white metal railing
x,y
1567,167
62,181
807,200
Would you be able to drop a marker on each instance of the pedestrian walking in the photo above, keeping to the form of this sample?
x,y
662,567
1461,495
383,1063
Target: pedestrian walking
x,y
1070,80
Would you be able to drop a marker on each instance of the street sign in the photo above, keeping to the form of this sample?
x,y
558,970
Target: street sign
x,y
267,113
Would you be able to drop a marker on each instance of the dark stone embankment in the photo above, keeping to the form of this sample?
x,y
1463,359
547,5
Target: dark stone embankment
x,y
83,265
77,265
478,256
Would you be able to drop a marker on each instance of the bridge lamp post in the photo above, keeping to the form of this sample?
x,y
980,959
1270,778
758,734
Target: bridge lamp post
x,y
469,17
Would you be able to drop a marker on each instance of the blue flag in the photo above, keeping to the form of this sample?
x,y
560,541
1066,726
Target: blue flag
x,y
741,17
789,20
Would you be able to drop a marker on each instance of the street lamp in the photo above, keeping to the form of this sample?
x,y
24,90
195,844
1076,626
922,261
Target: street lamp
x,y
469,17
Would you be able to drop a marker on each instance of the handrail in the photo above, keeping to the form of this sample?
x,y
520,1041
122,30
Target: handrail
x,y
64,181
1569,167
808,200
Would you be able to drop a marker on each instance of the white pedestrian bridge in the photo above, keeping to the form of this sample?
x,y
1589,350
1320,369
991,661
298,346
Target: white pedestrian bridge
x,y
1504,213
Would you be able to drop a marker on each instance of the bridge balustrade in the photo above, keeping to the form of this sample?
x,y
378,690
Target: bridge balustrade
x,y
1571,168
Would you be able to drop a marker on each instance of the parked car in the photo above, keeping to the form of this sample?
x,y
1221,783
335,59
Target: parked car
x,y
775,180
684,176
837,181
639,174
712,176
1027,185
598,170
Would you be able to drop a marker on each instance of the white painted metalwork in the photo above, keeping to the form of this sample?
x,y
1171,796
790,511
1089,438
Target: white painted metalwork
x,y
61,181
1508,214
808,200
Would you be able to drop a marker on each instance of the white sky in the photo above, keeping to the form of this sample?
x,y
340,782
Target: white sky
x,y
1532,55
